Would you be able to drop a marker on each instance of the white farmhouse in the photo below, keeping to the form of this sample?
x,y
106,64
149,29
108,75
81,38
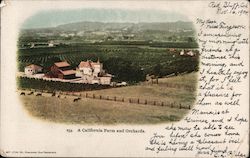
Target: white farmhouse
x,y
90,68
32,69
93,73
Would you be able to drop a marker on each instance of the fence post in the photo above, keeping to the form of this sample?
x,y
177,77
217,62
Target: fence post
x,y
86,95
146,102
189,107
129,100
162,104
172,105
114,98
94,96
154,102
138,101
122,99
180,106
168,104
100,97
107,97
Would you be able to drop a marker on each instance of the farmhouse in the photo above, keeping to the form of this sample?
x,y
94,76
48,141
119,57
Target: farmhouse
x,y
32,69
93,72
62,70
90,68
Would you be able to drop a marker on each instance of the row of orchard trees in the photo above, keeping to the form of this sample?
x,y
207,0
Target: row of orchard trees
x,y
52,86
130,64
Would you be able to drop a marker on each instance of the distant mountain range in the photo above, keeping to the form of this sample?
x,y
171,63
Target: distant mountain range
x,y
102,31
101,26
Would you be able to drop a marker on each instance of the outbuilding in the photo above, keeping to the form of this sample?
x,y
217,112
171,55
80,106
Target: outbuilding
x,y
32,69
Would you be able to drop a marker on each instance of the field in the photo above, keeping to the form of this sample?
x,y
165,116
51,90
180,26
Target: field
x,y
159,92
95,111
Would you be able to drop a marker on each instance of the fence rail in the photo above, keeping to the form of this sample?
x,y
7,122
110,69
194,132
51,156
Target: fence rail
x,y
108,98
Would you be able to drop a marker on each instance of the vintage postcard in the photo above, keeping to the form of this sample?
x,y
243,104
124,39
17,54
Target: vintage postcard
x,y
124,78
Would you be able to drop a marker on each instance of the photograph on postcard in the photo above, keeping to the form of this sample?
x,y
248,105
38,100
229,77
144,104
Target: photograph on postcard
x,y
108,66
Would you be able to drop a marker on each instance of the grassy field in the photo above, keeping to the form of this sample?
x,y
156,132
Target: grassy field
x,y
158,92
94,111
88,111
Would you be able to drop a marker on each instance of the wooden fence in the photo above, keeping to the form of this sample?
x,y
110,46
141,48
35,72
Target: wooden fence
x,y
110,98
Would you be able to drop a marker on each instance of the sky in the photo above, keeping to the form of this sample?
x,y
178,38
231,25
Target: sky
x,y
53,18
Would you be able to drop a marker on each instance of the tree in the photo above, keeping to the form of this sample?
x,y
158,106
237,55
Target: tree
x,y
50,62
123,70
190,39
157,70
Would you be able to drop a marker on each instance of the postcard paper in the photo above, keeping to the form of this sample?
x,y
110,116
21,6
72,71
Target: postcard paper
x,y
125,78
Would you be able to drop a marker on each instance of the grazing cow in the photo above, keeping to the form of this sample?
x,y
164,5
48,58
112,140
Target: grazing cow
x,y
31,93
22,93
53,94
39,94
76,99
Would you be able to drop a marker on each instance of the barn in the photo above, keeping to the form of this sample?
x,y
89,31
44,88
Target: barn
x,y
62,70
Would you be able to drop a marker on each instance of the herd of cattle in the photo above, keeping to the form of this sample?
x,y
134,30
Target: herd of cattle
x,y
52,95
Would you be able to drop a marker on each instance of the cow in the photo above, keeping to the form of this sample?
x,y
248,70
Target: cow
x,y
53,94
30,93
39,94
76,99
